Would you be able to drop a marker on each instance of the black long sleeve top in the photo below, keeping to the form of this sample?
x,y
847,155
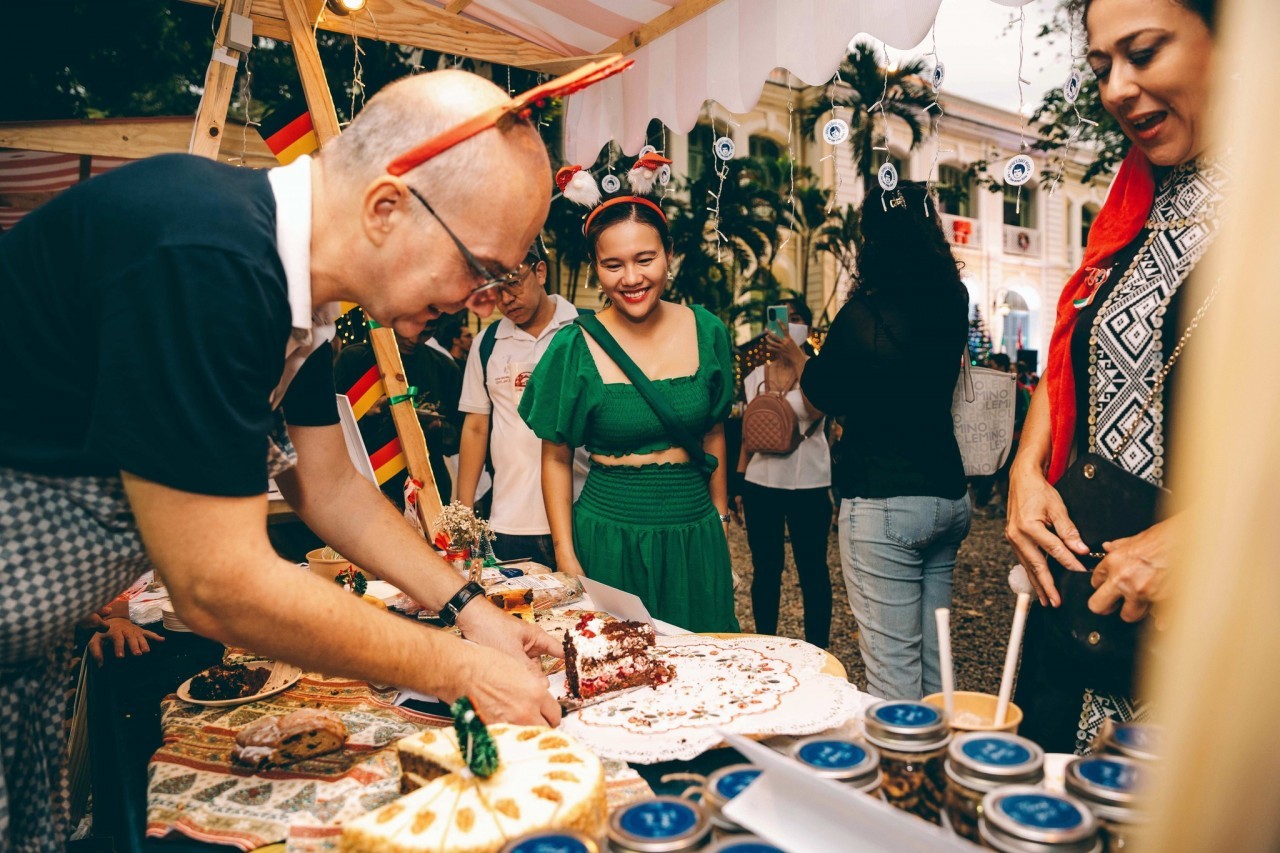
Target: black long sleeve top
x,y
889,366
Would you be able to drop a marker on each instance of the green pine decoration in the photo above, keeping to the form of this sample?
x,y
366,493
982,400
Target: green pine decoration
x,y
352,580
474,741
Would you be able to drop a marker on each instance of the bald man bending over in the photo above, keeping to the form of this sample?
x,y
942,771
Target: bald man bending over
x,y
186,307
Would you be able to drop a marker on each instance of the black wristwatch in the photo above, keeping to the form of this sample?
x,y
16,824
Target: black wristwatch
x,y
453,607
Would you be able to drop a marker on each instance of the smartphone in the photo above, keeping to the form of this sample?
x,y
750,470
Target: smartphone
x,y
776,317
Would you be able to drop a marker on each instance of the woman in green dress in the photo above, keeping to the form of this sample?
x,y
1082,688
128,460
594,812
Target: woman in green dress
x,y
651,519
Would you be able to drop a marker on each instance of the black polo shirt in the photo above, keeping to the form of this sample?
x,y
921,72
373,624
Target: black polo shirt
x,y
148,318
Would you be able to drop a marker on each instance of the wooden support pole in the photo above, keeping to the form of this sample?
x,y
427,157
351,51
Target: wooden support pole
x,y
324,117
412,442
206,135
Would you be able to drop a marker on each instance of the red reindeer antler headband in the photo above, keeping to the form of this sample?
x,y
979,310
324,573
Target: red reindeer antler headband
x,y
567,84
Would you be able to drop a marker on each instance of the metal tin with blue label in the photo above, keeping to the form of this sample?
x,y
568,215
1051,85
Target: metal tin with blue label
x,y
552,841
743,844
1142,741
659,825
722,786
1026,819
983,761
841,759
1108,784
906,726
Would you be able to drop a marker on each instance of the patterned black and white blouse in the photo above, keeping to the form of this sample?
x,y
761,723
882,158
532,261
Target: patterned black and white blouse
x,y
1125,335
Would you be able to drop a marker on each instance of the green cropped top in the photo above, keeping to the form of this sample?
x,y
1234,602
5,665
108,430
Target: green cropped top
x,y
568,402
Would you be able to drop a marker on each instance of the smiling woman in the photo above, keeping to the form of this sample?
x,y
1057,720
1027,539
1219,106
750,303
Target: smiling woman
x,y
645,386
1113,368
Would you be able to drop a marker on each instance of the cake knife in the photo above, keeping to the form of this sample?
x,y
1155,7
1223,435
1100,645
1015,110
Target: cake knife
x,y
569,704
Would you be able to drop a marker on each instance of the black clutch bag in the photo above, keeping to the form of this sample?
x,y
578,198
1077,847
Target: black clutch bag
x,y
1106,503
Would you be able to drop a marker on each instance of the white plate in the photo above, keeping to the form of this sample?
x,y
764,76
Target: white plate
x,y
285,677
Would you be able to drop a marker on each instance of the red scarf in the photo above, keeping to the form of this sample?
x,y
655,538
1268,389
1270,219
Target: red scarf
x,y
1121,219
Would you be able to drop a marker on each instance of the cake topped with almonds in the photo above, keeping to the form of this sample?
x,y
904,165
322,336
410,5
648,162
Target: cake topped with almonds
x,y
601,656
544,780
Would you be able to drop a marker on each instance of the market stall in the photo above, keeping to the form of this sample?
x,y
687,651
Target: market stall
x,y
201,781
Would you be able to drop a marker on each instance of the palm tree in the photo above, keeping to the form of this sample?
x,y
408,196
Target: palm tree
x,y
710,265
906,96
841,238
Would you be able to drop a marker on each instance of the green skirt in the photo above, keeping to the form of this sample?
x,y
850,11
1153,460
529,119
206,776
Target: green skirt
x,y
651,530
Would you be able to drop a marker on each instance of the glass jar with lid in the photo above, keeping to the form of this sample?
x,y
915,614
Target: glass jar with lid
x,y
912,738
552,841
659,825
978,763
1110,785
1026,819
722,786
1143,741
840,759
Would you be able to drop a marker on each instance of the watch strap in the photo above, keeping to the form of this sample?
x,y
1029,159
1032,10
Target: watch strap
x,y
453,607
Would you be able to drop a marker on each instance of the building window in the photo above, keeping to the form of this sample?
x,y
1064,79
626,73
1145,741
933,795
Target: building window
x,y
700,154
955,191
1088,213
764,148
1022,215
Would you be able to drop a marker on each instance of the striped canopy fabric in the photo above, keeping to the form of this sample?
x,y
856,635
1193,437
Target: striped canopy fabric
x,y
724,53
35,175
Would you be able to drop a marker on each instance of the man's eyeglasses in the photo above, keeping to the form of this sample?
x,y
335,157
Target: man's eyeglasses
x,y
488,280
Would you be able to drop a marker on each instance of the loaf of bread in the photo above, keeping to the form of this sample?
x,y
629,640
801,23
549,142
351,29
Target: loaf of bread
x,y
283,739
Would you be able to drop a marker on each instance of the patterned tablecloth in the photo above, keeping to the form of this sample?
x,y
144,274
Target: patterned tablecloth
x,y
194,788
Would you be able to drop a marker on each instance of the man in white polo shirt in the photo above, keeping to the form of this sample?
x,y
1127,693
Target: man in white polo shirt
x,y
514,344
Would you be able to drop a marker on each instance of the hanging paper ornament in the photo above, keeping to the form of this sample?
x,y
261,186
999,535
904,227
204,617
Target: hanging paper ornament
x,y
1071,88
835,132
724,148
648,149
939,74
1019,170
888,177
610,183
664,175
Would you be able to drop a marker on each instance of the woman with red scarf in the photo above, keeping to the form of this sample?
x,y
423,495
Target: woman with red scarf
x,y
1119,322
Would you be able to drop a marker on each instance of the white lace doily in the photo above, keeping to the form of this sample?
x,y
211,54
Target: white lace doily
x,y
755,686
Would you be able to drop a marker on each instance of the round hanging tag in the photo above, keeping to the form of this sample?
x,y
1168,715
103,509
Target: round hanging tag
x,y
648,149
1019,170
724,148
610,183
888,177
836,131
664,175
939,74
1071,88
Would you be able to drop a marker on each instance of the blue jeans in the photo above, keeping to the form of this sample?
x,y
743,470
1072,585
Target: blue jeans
x,y
898,555
510,546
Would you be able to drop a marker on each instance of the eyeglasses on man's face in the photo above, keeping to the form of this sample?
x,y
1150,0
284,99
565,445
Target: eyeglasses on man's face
x,y
488,281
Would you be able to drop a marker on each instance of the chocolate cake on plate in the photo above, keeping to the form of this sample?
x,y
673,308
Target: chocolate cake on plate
x,y
601,657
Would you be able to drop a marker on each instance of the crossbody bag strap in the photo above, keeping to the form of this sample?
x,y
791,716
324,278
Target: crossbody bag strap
x,y
644,386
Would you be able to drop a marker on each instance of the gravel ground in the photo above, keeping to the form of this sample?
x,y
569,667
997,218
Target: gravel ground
x,y
981,610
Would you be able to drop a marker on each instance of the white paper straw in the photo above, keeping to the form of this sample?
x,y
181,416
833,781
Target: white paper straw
x,y
943,617
1011,656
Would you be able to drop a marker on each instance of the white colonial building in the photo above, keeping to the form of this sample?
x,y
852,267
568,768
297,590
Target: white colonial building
x,y
1017,253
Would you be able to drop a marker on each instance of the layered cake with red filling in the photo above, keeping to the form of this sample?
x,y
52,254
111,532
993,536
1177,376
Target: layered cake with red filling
x,y
604,656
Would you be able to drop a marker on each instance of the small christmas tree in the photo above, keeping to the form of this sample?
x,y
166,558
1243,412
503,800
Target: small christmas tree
x,y
979,338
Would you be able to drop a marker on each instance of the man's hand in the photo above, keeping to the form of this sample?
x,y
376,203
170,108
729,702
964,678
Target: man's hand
x,y
502,690
1038,524
485,624
97,620
122,634
1135,570
735,511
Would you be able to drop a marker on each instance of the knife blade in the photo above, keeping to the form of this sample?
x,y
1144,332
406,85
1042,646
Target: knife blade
x,y
569,704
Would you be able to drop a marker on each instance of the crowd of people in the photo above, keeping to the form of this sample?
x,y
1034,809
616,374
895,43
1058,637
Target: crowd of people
x,y
204,367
